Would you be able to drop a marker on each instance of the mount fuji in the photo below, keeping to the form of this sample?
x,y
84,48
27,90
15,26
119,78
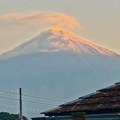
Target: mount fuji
x,y
58,64
59,40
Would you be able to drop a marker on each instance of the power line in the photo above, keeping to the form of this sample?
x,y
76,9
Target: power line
x,y
50,99
44,98
16,107
27,101
39,102
9,98
2,91
19,95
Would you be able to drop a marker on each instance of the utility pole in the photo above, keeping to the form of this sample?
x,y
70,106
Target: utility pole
x,y
20,93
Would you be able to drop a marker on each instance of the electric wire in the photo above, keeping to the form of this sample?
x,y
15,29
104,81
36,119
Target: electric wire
x,y
16,107
27,101
50,99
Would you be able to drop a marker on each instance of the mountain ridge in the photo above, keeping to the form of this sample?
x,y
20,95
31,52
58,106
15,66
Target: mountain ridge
x,y
55,40
62,74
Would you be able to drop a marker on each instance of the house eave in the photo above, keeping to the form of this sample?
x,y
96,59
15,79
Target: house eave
x,y
87,112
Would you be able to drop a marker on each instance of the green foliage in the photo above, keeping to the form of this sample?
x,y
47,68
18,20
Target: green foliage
x,y
8,116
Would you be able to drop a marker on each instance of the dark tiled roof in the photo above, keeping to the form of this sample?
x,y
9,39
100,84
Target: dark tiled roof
x,y
104,100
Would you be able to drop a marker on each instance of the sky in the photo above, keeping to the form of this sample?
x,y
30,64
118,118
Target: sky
x,y
96,20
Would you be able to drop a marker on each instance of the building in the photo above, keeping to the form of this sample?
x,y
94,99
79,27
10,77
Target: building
x,y
104,104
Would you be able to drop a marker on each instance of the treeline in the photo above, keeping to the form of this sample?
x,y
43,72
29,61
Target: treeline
x,y
8,116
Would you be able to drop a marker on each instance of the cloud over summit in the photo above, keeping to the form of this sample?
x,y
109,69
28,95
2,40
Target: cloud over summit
x,y
41,18
23,26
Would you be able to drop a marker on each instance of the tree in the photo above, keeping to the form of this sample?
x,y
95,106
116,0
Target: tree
x,y
8,116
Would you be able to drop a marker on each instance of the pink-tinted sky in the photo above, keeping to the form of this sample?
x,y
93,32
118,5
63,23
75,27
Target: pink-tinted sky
x,y
97,20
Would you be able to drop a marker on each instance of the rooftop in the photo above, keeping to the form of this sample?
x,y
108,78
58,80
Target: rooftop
x,y
106,100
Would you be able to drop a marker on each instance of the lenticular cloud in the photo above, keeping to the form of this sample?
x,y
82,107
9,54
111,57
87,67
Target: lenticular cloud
x,y
49,18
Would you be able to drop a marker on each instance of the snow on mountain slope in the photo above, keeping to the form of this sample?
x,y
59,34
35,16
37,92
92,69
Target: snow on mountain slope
x,y
58,64
56,40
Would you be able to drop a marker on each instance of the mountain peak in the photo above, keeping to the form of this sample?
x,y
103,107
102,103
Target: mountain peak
x,y
58,39
58,29
75,42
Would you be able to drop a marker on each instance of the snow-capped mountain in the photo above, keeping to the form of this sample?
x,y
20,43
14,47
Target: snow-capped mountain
x,y
56,40
58,64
